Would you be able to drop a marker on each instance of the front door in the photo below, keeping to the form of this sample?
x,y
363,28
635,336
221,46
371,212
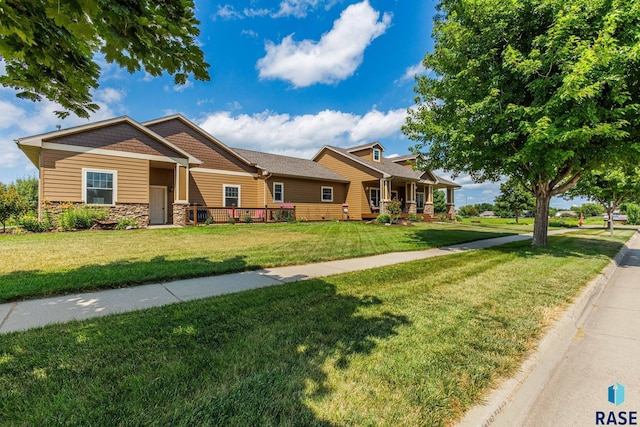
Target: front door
x,y
157,204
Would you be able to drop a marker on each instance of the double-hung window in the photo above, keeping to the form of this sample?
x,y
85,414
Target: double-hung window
x,y
278,192
231,196
99,186
327,194
376,154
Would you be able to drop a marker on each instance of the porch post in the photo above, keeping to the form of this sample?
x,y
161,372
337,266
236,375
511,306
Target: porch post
x,y
451,207
428,204
411,198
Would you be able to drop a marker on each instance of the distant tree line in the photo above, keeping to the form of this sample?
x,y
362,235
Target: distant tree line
x,y
18,198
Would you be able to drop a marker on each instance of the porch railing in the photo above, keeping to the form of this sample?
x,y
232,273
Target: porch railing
x,y
219,215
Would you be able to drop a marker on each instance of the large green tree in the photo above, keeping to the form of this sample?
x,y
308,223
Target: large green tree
x,y
514,198
538,90
609,186
49,46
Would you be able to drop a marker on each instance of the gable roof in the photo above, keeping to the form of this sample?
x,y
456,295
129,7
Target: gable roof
x,y
201,131
398,159
385,166
445,182
38,140
289,166
365,146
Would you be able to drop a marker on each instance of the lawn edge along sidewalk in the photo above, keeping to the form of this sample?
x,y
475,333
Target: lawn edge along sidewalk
x,y
23,315
517,394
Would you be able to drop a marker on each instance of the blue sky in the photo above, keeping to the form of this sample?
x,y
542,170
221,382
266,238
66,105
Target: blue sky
x,y
287,77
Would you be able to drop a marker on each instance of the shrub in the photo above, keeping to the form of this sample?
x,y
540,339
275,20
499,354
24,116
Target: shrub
x,y
231,220
395,209
248,219
633,214
208,221
414,217
383,218
124,223
79,218
31,223
442,217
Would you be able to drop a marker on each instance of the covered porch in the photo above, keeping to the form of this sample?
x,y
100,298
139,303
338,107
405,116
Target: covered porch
x,y
415,197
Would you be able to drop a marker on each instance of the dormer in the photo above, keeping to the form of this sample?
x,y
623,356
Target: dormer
x,y
371,152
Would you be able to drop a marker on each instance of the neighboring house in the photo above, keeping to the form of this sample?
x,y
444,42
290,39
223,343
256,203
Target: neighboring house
x,y
375,180
153,171
488,214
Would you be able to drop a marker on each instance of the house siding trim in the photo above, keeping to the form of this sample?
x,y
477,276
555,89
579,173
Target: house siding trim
x,y
224,172
113,153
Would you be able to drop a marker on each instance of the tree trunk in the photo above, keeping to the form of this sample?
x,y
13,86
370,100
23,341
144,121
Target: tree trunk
x,y
517,215
541,222
610,210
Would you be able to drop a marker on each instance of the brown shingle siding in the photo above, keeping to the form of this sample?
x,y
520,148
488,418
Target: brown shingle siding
x,y
118,137
196,144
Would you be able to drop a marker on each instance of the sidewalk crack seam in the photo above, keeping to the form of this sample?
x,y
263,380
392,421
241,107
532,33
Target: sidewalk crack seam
x,y
13,307
174,295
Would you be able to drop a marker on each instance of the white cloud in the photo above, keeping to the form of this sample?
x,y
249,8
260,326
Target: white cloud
x,y
252,13
411,72
300,136
178,88
296,8
227,12
249,33
376,124
334,58
109,95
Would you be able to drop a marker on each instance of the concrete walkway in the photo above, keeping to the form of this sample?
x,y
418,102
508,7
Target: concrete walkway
x,y
595,345
24,315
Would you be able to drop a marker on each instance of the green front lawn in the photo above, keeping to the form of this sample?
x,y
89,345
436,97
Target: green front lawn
x,y
47,264
408,345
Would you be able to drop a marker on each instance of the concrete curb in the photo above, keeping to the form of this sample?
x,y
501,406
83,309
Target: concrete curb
x,y
514,397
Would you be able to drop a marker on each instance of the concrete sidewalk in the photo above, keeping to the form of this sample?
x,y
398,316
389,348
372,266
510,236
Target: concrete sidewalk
x,y
595,345
24,315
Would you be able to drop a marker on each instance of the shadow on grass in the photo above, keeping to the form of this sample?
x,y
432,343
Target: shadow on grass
x,y
37,284
565,246
260,357
438,238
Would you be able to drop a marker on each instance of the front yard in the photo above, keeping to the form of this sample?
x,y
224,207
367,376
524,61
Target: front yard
x,y
39,265
409,345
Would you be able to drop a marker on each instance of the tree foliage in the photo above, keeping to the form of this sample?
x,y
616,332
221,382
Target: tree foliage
x,y
27,188
439,201
11,205
538,90
49,46
610,187
468,211
514,198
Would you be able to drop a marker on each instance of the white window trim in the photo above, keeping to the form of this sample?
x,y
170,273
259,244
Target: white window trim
x,y
224,193
377,151
281,192
84,185
322,193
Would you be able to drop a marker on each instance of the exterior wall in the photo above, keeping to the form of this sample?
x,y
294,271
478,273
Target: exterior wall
x,y
207,189
179,213
357,199
118,137
137,211
61,176
366,154
305,195
211,154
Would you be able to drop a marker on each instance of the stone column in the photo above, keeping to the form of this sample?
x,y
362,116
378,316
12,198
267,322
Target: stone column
x,y
412,207
180,213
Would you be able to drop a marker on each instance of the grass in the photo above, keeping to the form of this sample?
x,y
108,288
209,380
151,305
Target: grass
x,y
415,344
526,224
38,265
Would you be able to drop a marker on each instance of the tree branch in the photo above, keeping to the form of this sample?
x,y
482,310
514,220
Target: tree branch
x,y
563,175
567,185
